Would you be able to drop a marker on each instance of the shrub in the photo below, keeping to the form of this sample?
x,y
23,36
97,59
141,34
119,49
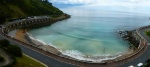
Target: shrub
x,y
14,50
148,33
4,42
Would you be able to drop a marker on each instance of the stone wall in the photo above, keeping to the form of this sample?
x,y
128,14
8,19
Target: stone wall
x,y
33,23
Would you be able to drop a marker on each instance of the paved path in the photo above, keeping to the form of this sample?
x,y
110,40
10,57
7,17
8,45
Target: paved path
x,y
45,59
55,63
144,56
50,62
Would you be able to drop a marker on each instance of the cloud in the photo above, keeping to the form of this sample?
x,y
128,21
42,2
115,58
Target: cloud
x,y
105,2
136,6
71,1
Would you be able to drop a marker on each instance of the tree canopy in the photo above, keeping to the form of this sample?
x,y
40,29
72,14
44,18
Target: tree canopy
x,y
4,43
22,8
14,50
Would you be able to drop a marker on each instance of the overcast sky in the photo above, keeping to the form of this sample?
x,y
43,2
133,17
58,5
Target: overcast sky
x,y
137,6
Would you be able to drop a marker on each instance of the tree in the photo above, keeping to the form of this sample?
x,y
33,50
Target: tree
x,y
14,50
4,42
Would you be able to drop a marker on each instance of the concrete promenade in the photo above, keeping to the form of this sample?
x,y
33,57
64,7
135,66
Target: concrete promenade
x,y
67,61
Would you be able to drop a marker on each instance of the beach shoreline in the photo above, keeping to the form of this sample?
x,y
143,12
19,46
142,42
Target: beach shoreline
x,y
22,35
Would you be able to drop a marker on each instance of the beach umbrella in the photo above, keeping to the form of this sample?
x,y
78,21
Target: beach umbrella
x,y
131,66
140,64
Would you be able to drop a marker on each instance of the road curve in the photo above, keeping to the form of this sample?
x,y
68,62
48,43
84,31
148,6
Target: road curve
x,y
50,62
44,57
145,56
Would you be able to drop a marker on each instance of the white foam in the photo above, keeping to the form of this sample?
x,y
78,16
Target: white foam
x,y
38,41
80,56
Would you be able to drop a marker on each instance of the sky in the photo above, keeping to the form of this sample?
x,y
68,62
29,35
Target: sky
x,y
135,6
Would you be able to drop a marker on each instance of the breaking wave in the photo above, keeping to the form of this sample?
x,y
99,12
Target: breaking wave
x,y
78,55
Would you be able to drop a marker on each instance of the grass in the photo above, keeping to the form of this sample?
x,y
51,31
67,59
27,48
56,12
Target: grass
x,y
25,61
148,33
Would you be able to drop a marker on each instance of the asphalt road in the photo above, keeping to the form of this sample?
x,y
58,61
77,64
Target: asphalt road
x,y
144,57
42,58
140,59
50,62
55,63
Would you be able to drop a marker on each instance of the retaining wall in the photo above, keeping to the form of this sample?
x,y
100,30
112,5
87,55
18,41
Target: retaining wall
x,y
47,21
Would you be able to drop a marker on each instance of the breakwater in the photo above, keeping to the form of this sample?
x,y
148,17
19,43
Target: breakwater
x,y
44,21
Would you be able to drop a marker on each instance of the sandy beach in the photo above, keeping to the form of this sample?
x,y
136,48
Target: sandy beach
x,y
22,36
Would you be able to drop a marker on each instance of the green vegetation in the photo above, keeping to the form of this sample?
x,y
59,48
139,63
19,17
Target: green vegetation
x,y
25,61
14,50
16,53
148,33
10,9
147,63
4,43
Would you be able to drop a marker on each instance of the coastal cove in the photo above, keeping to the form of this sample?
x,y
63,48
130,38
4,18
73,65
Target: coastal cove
x,y
75,36
14,26
75,33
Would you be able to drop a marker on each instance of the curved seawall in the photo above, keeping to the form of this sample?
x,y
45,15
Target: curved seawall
x,y
33,23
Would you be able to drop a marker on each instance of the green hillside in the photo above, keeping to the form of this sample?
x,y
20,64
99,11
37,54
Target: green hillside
x,y
21,8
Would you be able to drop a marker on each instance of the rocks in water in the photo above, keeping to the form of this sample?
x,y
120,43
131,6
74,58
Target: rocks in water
x,y
124,34
128,36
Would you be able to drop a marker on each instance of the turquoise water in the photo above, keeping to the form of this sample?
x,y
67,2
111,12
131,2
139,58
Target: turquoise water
x,y
89,38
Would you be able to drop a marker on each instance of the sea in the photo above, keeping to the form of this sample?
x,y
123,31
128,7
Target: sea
x,y
90,36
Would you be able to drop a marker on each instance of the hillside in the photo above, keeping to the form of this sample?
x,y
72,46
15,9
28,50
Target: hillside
x,y
22,8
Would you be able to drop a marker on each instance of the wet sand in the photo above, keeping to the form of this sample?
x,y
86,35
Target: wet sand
x,y
22,36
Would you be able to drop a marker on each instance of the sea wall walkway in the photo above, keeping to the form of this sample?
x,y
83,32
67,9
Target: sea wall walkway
x,y
47,21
